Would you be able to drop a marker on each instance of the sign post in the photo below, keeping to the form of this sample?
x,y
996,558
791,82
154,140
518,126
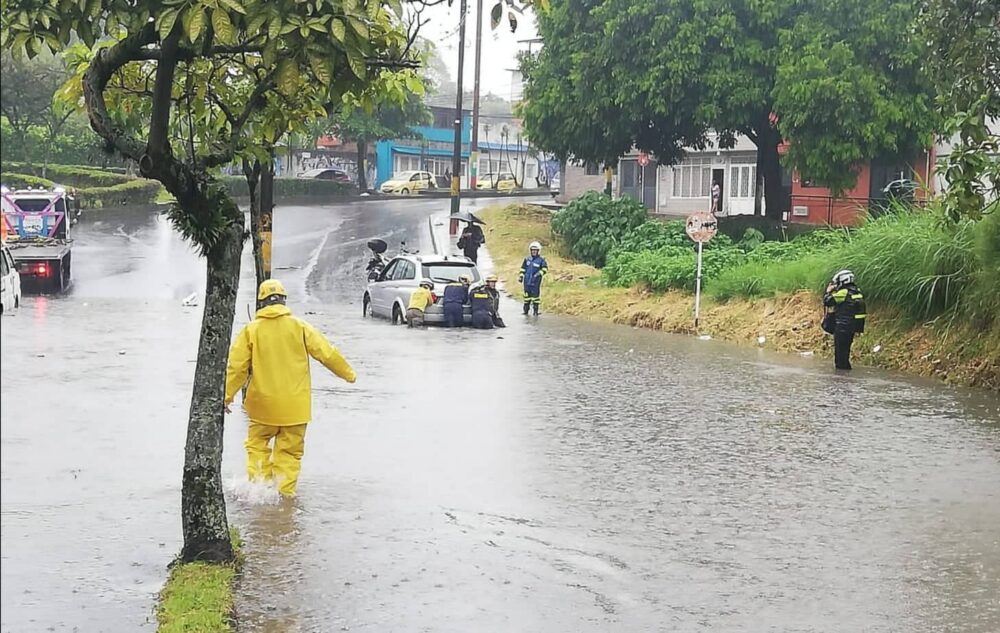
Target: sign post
x,y
701,227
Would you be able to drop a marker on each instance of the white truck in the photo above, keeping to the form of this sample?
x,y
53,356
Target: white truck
x,y
36,226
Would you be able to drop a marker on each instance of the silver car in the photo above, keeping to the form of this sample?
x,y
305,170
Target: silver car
x,y
389,295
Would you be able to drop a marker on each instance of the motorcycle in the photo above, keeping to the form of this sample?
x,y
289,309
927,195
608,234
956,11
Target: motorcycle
x,y
378,260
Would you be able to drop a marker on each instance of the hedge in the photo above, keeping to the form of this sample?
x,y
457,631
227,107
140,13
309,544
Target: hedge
x,y
69,176
21,181
136,191
236,186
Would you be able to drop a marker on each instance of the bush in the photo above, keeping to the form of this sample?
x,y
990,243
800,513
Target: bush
x,y
135,191
21,181
670,267
236,186
762,278
593,225
70,176
654,235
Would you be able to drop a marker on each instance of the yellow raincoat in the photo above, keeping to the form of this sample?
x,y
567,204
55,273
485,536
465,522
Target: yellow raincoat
x,y
277,347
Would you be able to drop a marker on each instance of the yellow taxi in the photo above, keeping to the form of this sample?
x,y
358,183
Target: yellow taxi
x,y
502,183
408,182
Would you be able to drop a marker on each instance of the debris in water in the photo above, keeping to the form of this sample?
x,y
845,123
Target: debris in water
x,y
451,516
631,350
190,301
876,349
704,337
121,352
39,355
805,353
761,339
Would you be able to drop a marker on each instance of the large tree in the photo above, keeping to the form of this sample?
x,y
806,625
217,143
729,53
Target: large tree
x,y
147,96
839,80
27,102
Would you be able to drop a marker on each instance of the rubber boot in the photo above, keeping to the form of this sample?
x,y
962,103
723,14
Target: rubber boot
x,y
527,306
534,307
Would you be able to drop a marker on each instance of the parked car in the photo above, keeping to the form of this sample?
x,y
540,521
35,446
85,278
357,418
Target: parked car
x,y
503,183
10,281
389,295
408,182
327,173
555,185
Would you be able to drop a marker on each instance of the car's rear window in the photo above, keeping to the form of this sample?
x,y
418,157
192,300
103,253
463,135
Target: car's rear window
x,y
447,272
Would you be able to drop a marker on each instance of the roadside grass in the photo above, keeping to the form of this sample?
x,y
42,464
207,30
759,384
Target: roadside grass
x,y
781,300
198,597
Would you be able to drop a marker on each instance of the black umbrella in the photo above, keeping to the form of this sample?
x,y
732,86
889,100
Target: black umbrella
x,y
465,216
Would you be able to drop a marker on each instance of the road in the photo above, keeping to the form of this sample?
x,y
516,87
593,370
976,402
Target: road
x,y
558,475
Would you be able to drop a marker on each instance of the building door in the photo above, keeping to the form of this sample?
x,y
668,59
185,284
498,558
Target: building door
x,y
649,186
630,179
742,185
718,192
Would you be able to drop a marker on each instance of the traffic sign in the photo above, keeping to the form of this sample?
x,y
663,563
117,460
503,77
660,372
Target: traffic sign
x,y
643,159
702,226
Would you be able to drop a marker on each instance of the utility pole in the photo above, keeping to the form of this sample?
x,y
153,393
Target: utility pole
x,y
474,150
456,159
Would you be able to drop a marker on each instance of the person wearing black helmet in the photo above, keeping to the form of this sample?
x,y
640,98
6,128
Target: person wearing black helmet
x,y
845,315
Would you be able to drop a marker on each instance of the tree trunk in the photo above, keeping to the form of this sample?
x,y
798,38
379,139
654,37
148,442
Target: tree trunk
x,y
769,164
758,190
266,212
203,504
362,156
251,171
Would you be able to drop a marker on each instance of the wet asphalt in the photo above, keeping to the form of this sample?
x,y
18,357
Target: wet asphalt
x,y
557,475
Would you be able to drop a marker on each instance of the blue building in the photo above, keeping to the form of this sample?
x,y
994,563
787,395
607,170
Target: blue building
x,y
431,150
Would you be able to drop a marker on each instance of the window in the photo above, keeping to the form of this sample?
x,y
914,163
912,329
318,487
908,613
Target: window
x,y
592,169
447,272
742,181
811,183
389,270
404,271
4,266
693,178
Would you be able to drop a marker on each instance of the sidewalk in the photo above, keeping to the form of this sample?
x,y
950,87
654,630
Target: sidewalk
x,y
446,244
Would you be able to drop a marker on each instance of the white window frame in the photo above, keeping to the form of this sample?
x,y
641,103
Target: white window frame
x,y
742,180
692,179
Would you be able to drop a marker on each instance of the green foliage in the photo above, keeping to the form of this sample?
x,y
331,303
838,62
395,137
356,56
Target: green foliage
x,y
15,180
670,267
71,176
752,238
94,188
594,224
134,192
236,186
766,278
653,235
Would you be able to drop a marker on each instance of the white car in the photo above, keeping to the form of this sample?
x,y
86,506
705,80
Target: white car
x,y
389,295
10,282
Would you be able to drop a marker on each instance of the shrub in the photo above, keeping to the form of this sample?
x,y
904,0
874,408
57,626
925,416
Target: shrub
x,y
70,176
671,267
653,235
135,191
20,181
593,225
762,278
236,186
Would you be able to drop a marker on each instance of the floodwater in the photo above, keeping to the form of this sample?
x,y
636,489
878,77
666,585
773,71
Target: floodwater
x,y
557,475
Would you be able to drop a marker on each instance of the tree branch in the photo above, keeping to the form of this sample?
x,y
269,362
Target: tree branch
x,y
95,80
158,145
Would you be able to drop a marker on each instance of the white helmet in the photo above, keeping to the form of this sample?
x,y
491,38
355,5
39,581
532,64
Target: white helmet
x,y
535,246
843,278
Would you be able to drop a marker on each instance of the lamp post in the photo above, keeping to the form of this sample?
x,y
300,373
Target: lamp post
x,y
456,159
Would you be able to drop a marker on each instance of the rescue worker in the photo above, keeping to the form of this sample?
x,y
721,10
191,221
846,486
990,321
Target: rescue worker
x,y
456,295
419,300
274,350
471,239
491,289
844,299
533,269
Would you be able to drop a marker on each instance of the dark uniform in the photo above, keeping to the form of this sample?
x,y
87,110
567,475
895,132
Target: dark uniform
x,y
482,308
847,305
470,241
533,269
455,297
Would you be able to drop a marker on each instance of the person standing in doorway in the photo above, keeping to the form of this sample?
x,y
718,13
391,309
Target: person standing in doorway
x,y
844,300
533,269
273,350
716,197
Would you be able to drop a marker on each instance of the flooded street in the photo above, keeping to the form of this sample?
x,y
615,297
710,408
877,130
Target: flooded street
x,y
557,475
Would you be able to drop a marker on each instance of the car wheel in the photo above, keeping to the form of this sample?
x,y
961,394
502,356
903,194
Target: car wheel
x,y
404,192
366,307
397,315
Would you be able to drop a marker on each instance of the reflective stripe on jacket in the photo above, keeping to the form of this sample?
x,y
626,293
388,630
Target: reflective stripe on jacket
x,y
849,309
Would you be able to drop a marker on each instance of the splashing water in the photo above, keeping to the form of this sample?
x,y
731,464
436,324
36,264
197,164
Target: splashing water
x,y
253,493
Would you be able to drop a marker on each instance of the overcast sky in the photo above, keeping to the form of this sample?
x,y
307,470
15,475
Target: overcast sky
x,y
500,47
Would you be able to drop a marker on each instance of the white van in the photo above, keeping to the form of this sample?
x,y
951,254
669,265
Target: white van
x,y
10,281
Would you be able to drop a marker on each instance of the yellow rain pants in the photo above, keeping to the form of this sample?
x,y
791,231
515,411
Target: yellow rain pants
x,y
283,462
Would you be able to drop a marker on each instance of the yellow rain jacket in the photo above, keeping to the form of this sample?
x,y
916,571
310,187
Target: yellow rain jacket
x,y
277,346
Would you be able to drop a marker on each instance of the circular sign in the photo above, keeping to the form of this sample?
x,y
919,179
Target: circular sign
x,y
702,226
643,159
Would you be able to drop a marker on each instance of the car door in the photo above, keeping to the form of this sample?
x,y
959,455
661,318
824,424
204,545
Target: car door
x,y
404,283
6,284
379,290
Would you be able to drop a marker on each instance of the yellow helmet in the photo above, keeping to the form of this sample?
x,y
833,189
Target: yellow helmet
x,y
491,278
269,288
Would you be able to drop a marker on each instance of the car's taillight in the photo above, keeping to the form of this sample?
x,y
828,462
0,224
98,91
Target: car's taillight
x,y
42,269
434,298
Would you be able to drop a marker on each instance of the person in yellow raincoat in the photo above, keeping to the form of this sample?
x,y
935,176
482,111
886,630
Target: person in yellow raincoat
x,y
274,350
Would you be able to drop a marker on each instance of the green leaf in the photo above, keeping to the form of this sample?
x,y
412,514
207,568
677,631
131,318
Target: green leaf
x,y
496,14
270,52
397,7
373,7
256,24
197,23
166,22
359,27
287,76
274,28
321,68
224,30
338,30
357,63
235,6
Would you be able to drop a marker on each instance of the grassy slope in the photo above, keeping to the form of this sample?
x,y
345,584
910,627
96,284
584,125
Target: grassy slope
x,y
790,321
198,597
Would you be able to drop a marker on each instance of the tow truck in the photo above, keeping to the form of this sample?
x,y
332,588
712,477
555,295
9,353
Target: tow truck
x,y
36,226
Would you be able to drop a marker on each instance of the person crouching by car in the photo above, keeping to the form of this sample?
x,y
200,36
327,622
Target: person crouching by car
x,y
419,300
845,317
456,295
485,302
